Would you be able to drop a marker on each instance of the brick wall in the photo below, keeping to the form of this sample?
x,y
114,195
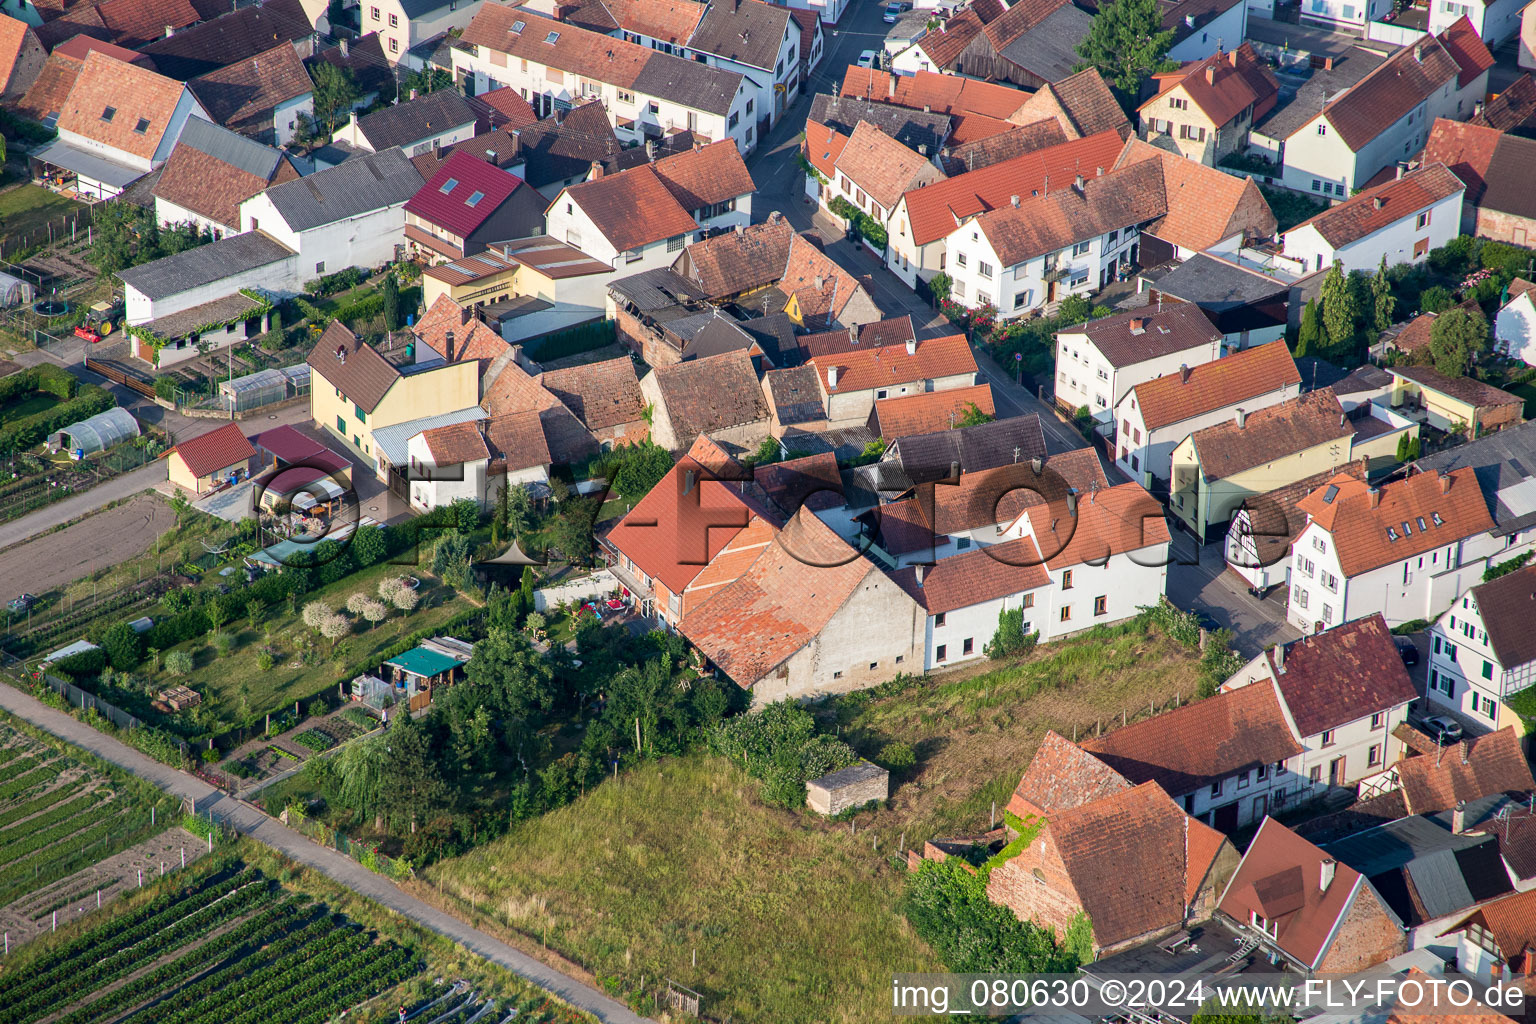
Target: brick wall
x,y
1048,898
1505,227
1369,935
638,337
1500,416
1215,883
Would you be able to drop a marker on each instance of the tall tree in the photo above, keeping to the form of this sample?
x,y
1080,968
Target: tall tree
x,y
1126,43
1311,331
519,510
509,677
1383,305
391,303
411,784
1456,339
1339,307
360,766
335,92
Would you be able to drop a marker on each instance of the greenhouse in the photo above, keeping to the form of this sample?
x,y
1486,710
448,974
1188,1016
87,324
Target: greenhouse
x,y
98,433
253,391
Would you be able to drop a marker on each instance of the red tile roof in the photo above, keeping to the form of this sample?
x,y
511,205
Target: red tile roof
x,y
781,603
951,38
1086,103
455,444
1134,858
657,201
205,184
1464,44
1228,381
706,174
1451,507
81,45
1400,83
1280,879
1224,85
136,22
1341,675
686,519
1478,767
881,166
935,410
1513,109
1122,198
738,261
933,209
518,440
929,90
1467,149
1193,746
208,453
1375,208
509,110
602,394
983,574
472,337
1114,521
822,148
1060,776
1205,205
14,34
1511,920
819,284
246,92
1275,432
870,368
448,199
132,93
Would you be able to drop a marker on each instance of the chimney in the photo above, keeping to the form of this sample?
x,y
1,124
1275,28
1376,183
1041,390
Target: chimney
x,y
891,87
1242,418
1445,482
1377,202
1418,53
1279,659
919,569
1325,875
1014,200
1477,108
169,31
1210,74
1072,503
1232,58
1078,184
1402,168
911,346
689,478
853,334
831,377
1189,21
1138,325
413,94
820,282
922,150
448,345
1375,493
1459,813
1037,464
1184,373
596,171
343,44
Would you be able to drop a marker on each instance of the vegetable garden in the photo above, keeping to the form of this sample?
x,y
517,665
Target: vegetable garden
x,y
58,815
233,947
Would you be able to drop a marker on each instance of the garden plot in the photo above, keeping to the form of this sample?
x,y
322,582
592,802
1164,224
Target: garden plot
x,y
58,816
232,947
98,885
291,744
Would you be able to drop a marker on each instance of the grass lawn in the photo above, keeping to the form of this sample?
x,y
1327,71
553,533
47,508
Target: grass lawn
x,y
975,732
24,211
794,919
27,404
222,679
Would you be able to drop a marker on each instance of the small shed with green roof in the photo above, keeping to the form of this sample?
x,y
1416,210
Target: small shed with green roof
x,y
419,671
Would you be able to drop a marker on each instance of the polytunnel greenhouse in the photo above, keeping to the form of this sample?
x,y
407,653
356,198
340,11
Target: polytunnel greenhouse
x,y
98,433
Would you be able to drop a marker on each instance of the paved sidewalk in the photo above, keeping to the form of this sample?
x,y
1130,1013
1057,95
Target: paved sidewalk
x,y
334,865
76,505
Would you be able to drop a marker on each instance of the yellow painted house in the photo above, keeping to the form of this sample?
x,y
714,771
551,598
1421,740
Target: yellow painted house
x,y
1457,404
539,267
1216,468
356,390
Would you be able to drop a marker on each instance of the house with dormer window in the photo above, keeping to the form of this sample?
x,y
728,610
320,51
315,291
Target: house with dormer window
x,y
1483,651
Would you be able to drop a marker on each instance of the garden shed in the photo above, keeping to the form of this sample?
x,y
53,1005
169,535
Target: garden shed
x,y
98,433
373,691
853,786
418,671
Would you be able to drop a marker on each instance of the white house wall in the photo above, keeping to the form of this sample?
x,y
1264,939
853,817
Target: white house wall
x,y
1226,32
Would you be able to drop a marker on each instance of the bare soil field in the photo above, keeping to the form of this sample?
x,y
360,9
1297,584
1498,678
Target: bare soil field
x,y
98,542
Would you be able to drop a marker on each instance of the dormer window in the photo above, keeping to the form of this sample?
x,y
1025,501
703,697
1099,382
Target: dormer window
x,y
108,114
1407,530
552,38
474,199
1422,527
449,186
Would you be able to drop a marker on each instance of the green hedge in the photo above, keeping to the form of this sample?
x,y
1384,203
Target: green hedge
x,y
30,431
54,380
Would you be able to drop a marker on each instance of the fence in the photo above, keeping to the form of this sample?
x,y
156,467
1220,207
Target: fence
x,y
117,376
87,701
73,226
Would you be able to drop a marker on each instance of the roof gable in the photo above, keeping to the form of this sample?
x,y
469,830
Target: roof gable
x,y
882,166
219,448
1207,387
1205,206
1060,776
249,90
120,105
1274,432
868,368
1476,768
1341,675
1508,608
1367,212
362,374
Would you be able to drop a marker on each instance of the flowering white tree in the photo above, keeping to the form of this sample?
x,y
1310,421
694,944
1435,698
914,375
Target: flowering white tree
x,y
357,602
315,613
387,588
334,627
405,599
375,611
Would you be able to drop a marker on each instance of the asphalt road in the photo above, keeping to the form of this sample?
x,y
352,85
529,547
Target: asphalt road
x,y
334,865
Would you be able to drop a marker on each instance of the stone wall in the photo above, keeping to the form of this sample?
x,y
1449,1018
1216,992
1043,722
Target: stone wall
x,y
855,794
1505,227
1368,935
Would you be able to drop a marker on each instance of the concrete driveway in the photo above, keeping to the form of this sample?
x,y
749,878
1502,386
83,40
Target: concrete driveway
x,y
1207,587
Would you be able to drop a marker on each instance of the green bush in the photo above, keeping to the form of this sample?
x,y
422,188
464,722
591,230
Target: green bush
x,y
29,431
780,746
1010,639
124,647
362,309
1504,568
1435,299
178,663
84,665
947,904
896,756
340,281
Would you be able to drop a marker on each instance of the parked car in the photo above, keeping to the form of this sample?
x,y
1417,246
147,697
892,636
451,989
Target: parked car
x,y
868,59
894,10
1407,649
1442,729
21,604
